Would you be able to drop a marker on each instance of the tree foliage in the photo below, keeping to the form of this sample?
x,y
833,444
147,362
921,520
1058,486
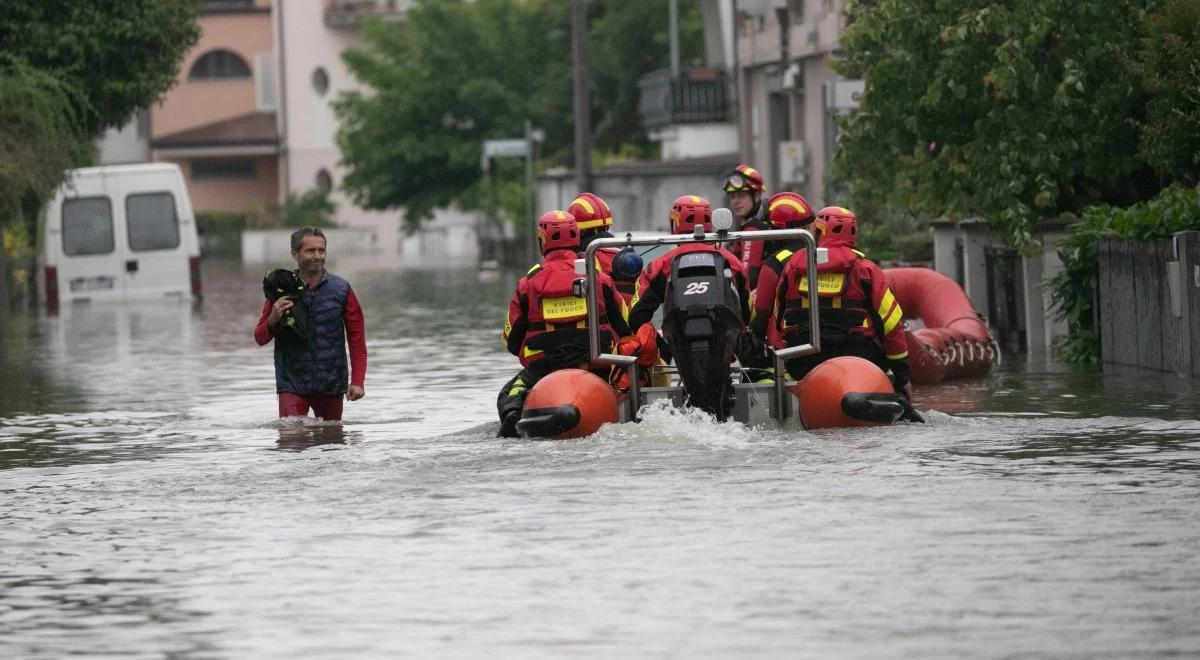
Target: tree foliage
x,y
1013,111
458,73
1169,65
119,55
40,136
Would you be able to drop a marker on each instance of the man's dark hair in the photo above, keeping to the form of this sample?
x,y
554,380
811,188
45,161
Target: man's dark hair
x,y
299,234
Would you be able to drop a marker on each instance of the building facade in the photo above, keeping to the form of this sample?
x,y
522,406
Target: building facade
x,y
219,121
789,96
250,120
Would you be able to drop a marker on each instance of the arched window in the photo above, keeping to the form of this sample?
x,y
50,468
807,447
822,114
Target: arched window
x,y
219,65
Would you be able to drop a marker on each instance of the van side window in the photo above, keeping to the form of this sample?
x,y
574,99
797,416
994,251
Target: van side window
x,y
87,226
152,222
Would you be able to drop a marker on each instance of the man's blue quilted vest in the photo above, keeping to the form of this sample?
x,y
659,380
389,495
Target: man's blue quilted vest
x,y
317,364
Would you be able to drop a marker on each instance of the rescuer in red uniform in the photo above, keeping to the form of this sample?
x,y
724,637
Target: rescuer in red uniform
x,y
594,218
686,213
744,189
785,210
858,315
547,321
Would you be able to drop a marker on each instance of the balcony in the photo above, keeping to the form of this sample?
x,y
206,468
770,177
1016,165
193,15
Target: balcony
x,y
343,14
696,96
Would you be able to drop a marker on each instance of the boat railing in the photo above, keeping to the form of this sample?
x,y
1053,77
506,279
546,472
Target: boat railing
x,y
720,217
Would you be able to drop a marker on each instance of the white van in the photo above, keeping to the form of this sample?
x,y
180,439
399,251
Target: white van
x,y
119,232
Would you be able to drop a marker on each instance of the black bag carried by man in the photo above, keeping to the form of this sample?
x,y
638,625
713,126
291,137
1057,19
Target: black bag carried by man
x,y
284,283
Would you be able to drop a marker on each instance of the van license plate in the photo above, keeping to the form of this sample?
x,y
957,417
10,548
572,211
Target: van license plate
x,y
98,283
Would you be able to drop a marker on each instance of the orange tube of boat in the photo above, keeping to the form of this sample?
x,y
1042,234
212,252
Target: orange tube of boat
x,y
822,391
594,399
955,342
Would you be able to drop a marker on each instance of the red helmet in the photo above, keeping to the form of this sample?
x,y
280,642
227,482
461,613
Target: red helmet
x,y
838,226
557,230
787,210
743,177
689,211
590,212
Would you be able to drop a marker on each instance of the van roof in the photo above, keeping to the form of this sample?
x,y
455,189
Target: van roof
x,y
123,169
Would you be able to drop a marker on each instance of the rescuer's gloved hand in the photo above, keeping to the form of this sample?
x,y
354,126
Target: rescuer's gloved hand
x,y
643,345
903,388
508,425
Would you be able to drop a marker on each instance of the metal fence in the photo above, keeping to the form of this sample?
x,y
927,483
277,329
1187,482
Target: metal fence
x,y
1149,303
666,100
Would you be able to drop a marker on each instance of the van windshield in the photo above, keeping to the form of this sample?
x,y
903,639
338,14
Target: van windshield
x,y
87,226
152,222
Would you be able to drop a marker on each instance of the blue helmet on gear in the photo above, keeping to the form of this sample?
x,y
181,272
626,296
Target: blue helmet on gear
x,y
627,264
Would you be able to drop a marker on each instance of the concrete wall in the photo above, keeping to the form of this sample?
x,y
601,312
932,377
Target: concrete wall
x,y
682,141
273,246
450,239
127,144
959,251
640,201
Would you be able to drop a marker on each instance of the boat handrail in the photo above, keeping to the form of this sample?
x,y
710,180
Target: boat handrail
x,y
779,356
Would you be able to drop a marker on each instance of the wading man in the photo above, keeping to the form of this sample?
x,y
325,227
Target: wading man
x,y
311,368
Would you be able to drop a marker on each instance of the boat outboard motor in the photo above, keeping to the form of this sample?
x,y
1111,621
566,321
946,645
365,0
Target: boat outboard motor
x,y
702,323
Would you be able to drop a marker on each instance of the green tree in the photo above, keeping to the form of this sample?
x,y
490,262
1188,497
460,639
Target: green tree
x,y
68,70
1169,64
40,136
120,55
1013,111
458,73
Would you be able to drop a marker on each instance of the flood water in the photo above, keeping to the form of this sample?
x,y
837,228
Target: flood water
x,y
151,505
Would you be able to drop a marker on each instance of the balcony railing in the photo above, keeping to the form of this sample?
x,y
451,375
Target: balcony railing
x,y
352,13
696,96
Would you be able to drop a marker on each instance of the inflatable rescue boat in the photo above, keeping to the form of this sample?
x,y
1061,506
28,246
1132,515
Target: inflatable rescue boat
x,y
953,342
703,331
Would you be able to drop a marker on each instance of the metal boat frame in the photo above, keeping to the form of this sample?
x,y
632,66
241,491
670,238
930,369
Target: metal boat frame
x,y
754,404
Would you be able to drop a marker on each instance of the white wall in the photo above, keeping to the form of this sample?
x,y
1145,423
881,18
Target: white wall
x,y
127,144
681,141
449,239
274,246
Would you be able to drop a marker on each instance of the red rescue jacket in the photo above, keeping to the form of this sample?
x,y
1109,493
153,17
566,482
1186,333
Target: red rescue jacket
x,y
546,317
856,303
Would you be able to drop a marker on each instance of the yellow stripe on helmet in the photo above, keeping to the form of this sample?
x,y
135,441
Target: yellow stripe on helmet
x,y
591,224
788,202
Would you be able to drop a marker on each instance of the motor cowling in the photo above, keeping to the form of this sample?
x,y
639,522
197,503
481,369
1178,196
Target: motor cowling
x,y
702,323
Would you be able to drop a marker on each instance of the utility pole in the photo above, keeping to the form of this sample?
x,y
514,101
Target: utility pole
x,y
583,103
530,211
673,19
